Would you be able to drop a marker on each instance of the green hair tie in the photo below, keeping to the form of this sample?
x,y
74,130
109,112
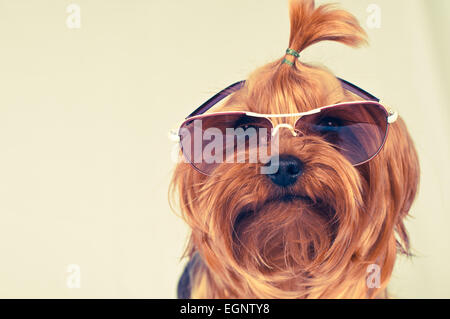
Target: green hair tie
x,y
286,61
293,53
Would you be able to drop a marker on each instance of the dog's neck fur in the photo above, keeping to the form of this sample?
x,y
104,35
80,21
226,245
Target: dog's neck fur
x,y
198,282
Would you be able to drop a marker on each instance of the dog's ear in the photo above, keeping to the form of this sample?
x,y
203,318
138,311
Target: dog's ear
x,y
182,193
310,25
403,175
392,179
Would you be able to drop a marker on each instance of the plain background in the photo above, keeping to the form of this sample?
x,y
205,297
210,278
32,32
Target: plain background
x,y
85,113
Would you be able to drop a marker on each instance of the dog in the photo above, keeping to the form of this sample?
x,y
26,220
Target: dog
x,y
346,176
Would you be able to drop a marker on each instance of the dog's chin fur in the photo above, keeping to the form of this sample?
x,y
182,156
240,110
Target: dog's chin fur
x,y
316,238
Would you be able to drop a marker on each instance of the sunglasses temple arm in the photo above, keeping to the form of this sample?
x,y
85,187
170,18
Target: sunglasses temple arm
x,y
217,98
358,91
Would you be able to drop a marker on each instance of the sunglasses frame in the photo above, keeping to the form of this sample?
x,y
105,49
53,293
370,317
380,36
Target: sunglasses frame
x,y
369,99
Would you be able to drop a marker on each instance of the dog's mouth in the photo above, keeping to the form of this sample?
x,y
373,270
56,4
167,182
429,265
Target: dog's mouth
x,y
286,216
289,198
319,206
304,202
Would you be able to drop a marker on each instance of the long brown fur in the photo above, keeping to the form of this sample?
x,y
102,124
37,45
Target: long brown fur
x,y
252,245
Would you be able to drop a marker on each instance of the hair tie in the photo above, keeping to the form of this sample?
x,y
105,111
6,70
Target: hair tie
x,y
293,53
286,61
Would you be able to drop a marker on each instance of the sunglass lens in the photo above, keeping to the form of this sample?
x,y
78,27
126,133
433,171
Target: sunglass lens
x,y
210,140
357,131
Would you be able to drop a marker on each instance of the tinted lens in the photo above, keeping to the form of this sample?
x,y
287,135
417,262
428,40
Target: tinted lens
x,y
358,131
210,140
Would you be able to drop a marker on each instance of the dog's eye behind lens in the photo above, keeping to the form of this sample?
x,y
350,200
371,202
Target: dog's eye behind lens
x,y
247,125
328,124
329,128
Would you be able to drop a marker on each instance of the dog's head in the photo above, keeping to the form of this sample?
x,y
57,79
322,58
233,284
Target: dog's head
x,y
314,236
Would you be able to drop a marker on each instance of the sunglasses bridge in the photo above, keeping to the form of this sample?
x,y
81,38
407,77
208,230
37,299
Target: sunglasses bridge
x,y
275,128
295,132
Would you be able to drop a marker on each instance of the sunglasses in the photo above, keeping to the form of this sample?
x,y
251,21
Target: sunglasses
x,y
357,129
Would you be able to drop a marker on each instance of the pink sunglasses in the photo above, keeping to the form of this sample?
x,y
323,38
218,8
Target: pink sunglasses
x,y
358,130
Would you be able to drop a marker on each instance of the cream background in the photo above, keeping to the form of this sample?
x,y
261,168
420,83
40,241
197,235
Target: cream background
x,y
84,116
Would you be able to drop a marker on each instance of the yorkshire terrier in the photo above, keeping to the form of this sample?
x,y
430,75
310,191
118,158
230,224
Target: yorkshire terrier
x,y
325,206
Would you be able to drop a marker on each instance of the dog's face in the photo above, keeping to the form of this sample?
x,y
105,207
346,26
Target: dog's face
x,y
314,236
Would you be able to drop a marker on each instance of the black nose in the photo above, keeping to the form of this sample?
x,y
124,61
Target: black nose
x,y
289,170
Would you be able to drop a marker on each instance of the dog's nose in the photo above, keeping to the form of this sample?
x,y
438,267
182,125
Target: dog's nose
x,y
289,170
